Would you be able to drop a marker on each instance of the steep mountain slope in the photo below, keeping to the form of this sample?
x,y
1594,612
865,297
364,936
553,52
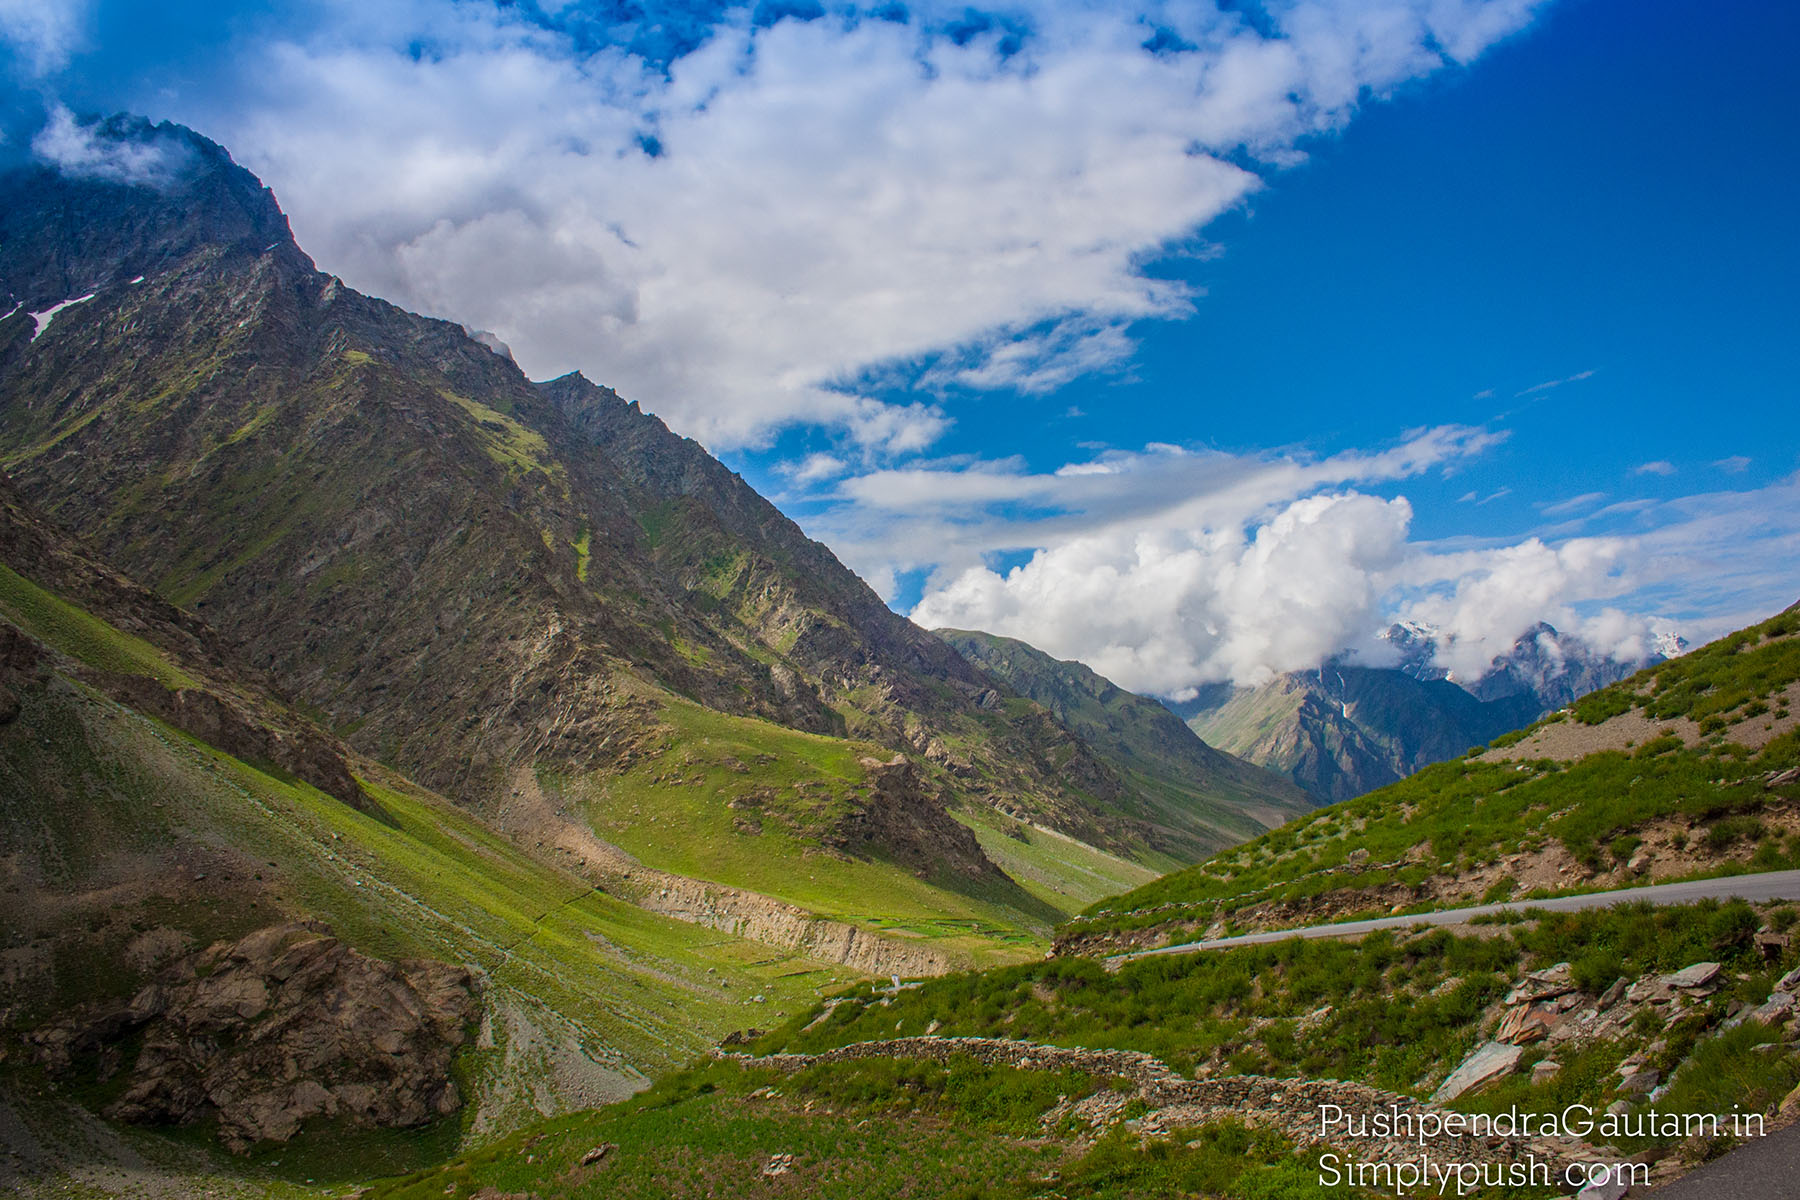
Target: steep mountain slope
x,y
1688,768
1340,731
156,800
485,583
1214,798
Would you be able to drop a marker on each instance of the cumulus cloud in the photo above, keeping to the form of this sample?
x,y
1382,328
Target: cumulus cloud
x,y
1164,610
1481,601
738,235
1167,569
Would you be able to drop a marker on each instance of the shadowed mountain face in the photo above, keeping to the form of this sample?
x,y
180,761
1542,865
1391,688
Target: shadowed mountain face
x,y
461,572
1215,798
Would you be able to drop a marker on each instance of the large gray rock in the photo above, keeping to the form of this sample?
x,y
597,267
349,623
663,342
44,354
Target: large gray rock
x,y
285,1025
1489,1061
1700,975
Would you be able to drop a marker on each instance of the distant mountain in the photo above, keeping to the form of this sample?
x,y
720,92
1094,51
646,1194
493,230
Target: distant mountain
x,y
1343,730
1686,769
1196,790
1340,731
1556,668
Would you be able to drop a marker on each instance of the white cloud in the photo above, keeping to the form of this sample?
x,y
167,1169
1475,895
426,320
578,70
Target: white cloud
x,y
43,34
1658,467
118,151
1481,601
1166,571
1563,508
1737,464
834,200
816,467
1163,610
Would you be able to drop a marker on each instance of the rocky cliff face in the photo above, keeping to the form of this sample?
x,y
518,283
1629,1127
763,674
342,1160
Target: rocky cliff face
x,y
286,1025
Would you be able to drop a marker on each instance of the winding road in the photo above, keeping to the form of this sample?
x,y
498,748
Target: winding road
x,y
1769,885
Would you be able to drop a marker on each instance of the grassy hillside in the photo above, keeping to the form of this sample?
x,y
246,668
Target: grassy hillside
x,y
1199,795
751,804
1683,770
1394,1011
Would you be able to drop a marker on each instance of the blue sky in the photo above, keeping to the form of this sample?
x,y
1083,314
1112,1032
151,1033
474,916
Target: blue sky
x,y
1192,344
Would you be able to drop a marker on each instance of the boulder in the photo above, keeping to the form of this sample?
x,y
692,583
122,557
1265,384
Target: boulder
x,y
1546,984
1522,1026
1489,1061
1694,978
282,1026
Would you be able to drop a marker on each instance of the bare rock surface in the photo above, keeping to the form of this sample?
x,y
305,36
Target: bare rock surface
x,y
1488,1061
282,1026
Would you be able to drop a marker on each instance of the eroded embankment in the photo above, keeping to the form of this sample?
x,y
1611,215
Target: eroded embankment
x,y
732,910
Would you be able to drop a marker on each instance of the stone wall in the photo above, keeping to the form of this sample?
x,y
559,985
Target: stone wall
x,y
1291,1106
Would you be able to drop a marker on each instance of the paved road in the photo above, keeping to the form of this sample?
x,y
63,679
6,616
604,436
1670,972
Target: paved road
x,y
1767,1168
1771,885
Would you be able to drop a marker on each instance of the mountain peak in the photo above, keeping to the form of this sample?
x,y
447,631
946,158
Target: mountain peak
x,y
108,199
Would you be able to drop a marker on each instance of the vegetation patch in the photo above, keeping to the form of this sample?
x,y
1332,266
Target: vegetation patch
x,y
81,635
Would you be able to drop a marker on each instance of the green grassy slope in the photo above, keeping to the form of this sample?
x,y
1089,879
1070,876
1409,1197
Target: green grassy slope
x,y
1203,799
1484,826
119,825
912,1131
754,805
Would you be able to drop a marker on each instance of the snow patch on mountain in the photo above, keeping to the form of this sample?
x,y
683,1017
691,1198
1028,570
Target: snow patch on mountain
x,y
44,318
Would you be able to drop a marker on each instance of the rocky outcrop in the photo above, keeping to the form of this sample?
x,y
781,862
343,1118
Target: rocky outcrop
x,y
903,821
302,752
282,1026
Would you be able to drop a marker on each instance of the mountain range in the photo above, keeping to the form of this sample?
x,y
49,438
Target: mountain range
x,y
406,569
1343,729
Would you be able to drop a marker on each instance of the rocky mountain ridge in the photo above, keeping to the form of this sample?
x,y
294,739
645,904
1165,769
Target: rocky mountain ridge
x,y
459,571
